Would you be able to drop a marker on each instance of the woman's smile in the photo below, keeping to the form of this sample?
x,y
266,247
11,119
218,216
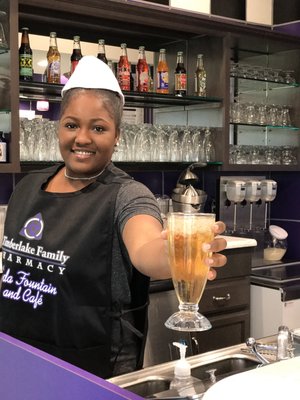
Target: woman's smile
x,y
83,154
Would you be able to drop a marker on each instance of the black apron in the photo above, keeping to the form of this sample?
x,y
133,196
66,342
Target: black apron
x,y
55,295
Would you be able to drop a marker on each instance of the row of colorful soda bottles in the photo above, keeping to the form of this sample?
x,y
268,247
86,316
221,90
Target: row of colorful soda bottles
x,y
137,78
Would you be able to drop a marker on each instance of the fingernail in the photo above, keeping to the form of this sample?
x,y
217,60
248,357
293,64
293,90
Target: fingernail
x,y
206,247
209,261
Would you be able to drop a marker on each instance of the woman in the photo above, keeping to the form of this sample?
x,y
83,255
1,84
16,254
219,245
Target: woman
x,y
81,240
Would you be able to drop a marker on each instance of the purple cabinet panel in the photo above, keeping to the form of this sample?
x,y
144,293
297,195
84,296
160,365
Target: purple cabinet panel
x,y
30,374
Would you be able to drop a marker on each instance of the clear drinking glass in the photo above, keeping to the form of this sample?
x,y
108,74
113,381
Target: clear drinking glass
x,y
186,234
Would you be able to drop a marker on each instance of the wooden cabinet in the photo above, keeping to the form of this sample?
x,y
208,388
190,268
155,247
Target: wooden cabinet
x,y
226,295
157,26
228,330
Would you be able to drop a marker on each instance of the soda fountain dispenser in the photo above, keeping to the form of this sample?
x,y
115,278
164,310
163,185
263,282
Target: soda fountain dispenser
x,y
252,195
235,192
268,194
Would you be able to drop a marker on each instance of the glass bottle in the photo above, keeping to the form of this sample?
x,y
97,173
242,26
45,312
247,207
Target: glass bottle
x,y
200,77
111,65
162,76
142,71
101,51
53,58
123,72
25,57
180,76
76,55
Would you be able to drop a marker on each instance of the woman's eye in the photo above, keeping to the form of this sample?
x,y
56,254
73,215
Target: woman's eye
x,y
70,125
99,129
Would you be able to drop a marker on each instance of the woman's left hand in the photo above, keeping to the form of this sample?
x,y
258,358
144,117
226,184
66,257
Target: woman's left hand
x,y
218,244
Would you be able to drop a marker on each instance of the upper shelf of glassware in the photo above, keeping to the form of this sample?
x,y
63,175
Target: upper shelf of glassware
x,y
251,78
52,92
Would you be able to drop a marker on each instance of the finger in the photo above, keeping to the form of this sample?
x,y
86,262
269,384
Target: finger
x,y
219,227
218,244
164,234
217,260
211,274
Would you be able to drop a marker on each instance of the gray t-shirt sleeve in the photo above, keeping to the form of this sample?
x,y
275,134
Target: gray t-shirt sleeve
x,y
134,198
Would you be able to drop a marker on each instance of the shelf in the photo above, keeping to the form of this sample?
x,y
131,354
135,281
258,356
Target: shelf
x,y
290,128
4,50
126,165
52,92
250,85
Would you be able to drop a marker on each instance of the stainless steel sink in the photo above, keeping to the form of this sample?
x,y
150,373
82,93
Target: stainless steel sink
x,y
154,380
225,367
148,387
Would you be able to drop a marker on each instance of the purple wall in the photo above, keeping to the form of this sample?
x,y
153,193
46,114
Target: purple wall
x,y
292,28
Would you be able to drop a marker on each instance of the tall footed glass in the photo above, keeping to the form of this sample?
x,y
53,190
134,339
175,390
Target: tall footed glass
x,y
186,234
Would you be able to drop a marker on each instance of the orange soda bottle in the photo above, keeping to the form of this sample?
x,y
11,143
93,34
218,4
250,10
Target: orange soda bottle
x,y
162,82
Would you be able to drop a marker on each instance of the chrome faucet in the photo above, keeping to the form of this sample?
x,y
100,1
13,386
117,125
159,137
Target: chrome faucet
x,y
253,346
283,349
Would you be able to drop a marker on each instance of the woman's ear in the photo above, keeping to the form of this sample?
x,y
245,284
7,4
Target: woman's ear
x,y
117,138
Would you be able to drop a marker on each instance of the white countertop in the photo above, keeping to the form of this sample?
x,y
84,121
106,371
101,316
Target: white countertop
x,y
235,242
275,381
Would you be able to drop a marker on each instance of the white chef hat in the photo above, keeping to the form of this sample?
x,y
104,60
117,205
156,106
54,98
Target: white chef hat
x,y
92,73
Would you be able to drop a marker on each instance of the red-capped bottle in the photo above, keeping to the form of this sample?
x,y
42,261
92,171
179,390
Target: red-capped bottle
x,y
142,71
123,72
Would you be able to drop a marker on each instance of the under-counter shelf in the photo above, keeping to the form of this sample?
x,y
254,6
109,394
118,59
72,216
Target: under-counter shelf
x,y
52,92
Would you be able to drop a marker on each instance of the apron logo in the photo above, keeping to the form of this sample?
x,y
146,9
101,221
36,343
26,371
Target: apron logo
x,y
33,228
